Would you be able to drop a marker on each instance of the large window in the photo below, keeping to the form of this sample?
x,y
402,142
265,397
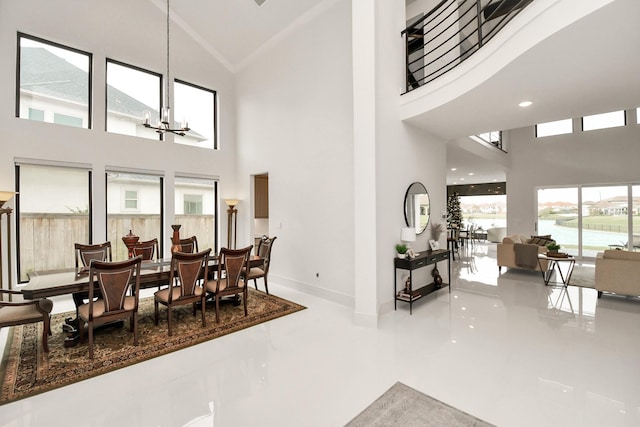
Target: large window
x,y
53,213
484,211
196,201
196,106
134,203
590,219
130,92
54,83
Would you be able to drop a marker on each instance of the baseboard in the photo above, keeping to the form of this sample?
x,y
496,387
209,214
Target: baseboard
x,y
334,296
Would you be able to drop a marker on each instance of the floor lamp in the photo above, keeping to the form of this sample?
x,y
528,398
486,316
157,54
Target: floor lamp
x,y
5,196
232,224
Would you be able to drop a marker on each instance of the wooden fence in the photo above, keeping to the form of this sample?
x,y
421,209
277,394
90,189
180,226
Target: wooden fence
x,y
46,240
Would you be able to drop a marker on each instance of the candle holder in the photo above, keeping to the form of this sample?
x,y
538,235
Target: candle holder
x,y
175,240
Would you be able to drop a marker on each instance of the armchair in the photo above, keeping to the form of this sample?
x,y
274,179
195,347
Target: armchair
x,y
22,312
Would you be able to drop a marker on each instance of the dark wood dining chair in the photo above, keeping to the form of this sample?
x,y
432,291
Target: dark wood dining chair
x,y
13,313
119,286
189,245
186,284
229,279
87,253
84,255
264,252
148,250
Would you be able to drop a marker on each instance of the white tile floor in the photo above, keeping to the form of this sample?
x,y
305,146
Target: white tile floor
x,y
505,349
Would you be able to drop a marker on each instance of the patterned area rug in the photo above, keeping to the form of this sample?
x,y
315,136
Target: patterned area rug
x,y
26,370
403,406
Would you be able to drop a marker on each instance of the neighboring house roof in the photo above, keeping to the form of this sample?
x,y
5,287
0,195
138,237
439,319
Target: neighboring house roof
x,y
58,78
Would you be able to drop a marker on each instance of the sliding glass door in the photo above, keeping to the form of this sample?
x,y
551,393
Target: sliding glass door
x,y
558,215
590,219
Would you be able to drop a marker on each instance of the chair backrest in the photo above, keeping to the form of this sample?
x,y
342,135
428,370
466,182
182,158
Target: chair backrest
x,y
264,250
114,279
187,270
189,245
234,261
147,249
87,253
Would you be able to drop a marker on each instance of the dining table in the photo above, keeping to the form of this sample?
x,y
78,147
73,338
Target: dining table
x,y
50,283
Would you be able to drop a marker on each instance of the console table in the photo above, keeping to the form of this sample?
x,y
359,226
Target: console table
x,y
417,291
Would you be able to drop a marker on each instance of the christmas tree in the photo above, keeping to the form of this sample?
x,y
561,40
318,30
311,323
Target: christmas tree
x,y
454,212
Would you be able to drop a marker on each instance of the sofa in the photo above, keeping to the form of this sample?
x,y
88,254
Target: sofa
x,y
520,251
618,272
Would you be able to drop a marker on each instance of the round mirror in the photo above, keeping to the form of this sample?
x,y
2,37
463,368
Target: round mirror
x,y
416,207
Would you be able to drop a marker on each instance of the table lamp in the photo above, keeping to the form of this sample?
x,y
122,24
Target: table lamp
x,y
408,234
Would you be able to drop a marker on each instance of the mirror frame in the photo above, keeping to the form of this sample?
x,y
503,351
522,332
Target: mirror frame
x,y
414,186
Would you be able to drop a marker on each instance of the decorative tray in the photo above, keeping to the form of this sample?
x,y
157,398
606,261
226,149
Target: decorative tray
x,y
557,255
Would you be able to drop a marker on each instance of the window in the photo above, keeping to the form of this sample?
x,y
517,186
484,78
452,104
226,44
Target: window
x,y
197,106
559,127
196,205
493,138
64,119
586,220
130,199
134,203
638,115
130,92
193,204
603,121
37,115
53,212
54,83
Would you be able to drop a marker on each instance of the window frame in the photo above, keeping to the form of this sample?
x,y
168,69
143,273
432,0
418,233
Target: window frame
x,y
17,208
106,97
21,35
215,107
624,120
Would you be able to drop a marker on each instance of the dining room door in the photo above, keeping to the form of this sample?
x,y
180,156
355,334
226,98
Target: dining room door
x,y
260,207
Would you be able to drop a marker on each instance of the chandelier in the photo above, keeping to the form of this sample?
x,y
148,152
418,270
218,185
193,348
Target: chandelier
x,y
164,122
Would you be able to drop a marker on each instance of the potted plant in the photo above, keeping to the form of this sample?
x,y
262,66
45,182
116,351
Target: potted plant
x,y
401,249
553,247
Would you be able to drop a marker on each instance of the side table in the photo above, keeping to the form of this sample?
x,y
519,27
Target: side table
x,y
554,263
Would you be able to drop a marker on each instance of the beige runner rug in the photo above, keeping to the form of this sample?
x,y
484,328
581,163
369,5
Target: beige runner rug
x,y
403,406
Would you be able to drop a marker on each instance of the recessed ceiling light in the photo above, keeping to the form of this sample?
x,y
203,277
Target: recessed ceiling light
x,y
454,169
461,179
525,104
470,173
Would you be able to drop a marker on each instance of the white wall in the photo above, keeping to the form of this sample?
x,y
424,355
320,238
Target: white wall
x,y
596,157
101,28
295,123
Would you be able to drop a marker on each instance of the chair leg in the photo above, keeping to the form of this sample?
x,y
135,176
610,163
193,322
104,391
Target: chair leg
x,y
217,308
90,340
155,304
266,287
255,283
246,294
169,318
46,331
203,305
134,319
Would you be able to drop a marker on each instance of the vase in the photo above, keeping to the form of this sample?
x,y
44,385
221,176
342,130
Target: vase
x,y
402,256
130,241
175,239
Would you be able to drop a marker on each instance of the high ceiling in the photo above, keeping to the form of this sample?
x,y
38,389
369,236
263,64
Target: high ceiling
x,y
246,26
589,67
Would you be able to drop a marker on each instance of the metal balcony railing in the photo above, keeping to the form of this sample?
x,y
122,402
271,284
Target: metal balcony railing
x,y
450,33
